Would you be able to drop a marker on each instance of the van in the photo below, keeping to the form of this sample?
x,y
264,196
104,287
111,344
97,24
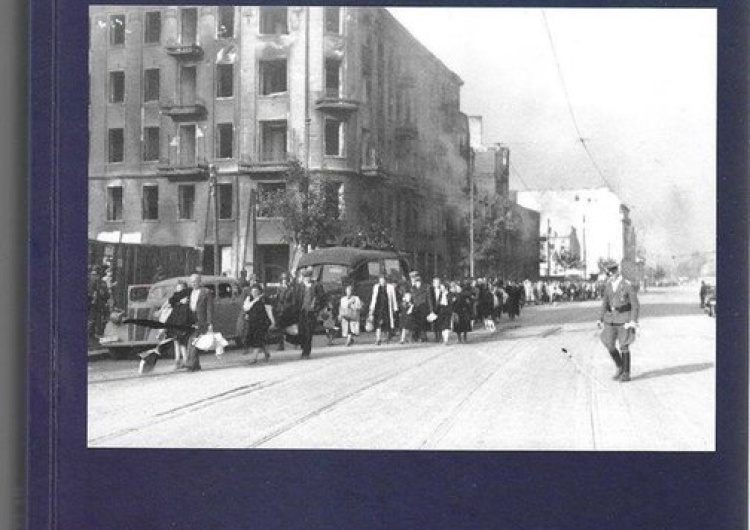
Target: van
x,y
124,339
336,267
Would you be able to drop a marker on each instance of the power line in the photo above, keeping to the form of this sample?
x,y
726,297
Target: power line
x,y
570,106
518,175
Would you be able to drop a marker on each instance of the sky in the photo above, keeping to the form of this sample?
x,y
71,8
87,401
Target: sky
x,y
617,98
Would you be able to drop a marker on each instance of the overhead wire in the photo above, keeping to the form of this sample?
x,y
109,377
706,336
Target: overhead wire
x,y
581,139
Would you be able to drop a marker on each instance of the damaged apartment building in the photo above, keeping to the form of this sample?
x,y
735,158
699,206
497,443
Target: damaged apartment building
x,y
347,93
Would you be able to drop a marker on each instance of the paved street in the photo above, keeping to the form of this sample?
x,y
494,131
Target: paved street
x,y
541,382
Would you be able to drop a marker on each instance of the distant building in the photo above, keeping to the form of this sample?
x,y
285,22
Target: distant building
x,y
600,221
491,174
345,92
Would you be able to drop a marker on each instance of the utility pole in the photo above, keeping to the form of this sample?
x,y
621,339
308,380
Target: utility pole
x,y
585,263
471,212
549,238
213,186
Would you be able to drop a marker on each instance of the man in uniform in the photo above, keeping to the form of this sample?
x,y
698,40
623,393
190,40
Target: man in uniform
x,y
618,319
311,302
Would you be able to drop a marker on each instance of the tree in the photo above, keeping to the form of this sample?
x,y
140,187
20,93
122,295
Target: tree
x,y
310,216
370,232
493,222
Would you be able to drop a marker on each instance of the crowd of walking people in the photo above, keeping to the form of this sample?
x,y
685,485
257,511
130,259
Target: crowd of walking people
x,y
396,312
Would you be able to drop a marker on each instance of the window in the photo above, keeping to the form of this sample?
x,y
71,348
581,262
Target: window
x,y
272,76
225,290
225,200
273,20
224,140
373,269
273,141
114,203
224,80
150,144
150,202
393,268
225,29
117,30
185,201
189,29
265,191
187,145
333,20
334,274
116,87
152,32
151,82
334,141
116,143
333,78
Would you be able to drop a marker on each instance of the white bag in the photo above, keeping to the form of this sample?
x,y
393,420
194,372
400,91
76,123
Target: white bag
x,y
292,330
211,341
432,317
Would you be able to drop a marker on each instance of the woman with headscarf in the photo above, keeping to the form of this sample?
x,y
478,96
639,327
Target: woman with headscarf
x,y
260,319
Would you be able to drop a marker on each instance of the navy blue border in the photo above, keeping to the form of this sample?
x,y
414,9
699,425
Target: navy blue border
x,y
72,487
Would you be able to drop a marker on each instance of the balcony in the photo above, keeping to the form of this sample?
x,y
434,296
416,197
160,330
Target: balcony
x,y
194,173
184,51
268,165
333,102
184,111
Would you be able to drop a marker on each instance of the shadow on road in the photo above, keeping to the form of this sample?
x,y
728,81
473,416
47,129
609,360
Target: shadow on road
x,y
673,370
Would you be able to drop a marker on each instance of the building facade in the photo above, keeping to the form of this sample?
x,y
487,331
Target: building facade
x,y
598,218
518,242
346,93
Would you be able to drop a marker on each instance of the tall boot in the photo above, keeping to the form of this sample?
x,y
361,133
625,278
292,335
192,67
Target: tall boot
x,y
618,362
625,377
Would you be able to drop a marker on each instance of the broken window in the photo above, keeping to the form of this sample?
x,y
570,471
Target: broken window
x,y
117,30
186,201
272,76
152,31
273,20
225,22
224,80
150,202
273,141
224,140
150,144
116,144
151,81
116,87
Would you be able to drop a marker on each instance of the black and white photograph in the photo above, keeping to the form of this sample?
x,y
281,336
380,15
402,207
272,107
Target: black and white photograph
x,y
401,228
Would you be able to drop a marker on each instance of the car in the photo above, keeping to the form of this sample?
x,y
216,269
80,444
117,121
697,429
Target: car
x,y
335,267
123,340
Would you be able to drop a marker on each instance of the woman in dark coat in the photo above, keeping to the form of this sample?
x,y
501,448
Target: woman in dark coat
x,y
462,305
444,320
180,315
260,319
